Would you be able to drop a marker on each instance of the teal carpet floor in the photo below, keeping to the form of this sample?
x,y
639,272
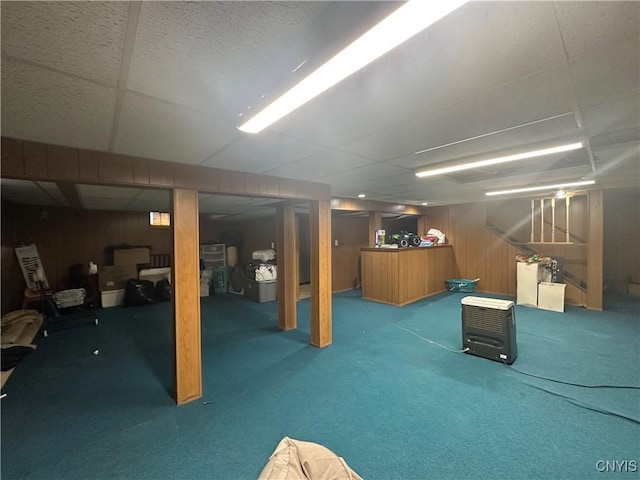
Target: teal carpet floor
x,y
391,395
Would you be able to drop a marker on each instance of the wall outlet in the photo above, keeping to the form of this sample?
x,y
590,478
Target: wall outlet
x,y
335,242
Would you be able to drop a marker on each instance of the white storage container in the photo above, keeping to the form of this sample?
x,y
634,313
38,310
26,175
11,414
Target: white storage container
x,y
551,296
112,298
528,277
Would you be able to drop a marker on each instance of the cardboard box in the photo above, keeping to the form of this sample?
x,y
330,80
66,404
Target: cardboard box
x,y
114,277
112,298
131,256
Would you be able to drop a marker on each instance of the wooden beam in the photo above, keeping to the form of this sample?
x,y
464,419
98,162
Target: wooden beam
x,y
26,160
186,295
595,250
287,249
375,223
353,205
320,226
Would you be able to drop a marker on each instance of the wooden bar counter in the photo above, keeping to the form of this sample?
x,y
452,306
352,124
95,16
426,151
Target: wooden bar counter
x,y
399,276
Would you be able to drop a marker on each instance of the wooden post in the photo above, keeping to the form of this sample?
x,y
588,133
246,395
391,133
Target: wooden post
x,y
541,220
567,203
320,219
533,223
553,220
287,249
186,295
375,223
595,250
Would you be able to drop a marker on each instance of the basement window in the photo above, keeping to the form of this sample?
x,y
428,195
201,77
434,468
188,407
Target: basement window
x,y
160,219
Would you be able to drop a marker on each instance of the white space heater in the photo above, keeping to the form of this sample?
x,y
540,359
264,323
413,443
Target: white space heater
x,y
489,328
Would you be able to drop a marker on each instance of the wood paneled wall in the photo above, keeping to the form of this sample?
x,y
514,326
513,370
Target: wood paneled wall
x,y
622,239
479,253
12,281
351,234
65,236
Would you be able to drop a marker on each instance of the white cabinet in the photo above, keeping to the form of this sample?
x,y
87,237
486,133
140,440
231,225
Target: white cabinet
x,y
213,255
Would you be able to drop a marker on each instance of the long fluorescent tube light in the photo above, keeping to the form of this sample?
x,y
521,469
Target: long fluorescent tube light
x,y
494,161
541,187
402,24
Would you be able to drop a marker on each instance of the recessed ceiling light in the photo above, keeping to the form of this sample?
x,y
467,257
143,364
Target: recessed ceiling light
x,y
425,203
542,187
361,195
411,18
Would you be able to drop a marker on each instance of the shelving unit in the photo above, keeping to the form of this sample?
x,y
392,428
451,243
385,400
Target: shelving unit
x,y
213,255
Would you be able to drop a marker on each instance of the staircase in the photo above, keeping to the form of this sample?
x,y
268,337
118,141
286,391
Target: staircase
x,y
528,250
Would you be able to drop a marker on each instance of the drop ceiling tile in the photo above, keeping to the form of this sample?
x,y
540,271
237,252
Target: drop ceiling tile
x,y
30,193
53,192
81,38
612,116
114,204
261,152
320,164
416,76
50,107
154,129
203,54
587,26
153,195
362,174
537,97
98,191
607,74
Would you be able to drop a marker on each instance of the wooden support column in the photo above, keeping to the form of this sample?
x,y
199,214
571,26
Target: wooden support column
x,y
286,246
595,250
423,226
375,223
320,220
186,295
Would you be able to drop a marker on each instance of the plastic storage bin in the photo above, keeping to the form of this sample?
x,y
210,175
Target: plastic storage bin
x,y
461,285
261,291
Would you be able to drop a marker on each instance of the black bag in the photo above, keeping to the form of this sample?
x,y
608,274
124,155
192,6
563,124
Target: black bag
x,y
139,292
163,290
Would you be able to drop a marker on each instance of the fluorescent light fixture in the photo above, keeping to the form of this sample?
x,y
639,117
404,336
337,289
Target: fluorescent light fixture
x,y
402,24
361,195
430,172
542,187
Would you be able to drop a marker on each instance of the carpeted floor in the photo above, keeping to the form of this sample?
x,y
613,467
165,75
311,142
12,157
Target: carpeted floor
x,y
96,402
